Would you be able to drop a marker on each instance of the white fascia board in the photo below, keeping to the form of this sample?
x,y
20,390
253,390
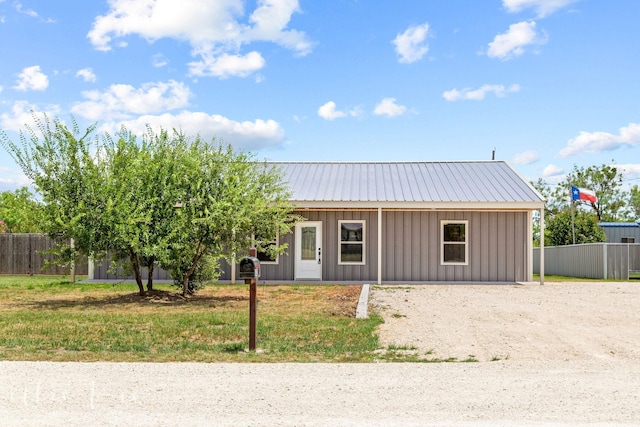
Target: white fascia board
x,y
315,204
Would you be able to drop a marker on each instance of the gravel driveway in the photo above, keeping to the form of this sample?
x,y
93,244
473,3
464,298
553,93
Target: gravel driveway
x,y
572,383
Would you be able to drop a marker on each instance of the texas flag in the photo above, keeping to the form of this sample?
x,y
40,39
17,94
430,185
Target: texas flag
x,y
583,194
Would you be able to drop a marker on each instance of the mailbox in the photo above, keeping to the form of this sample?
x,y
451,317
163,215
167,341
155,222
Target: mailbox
x,y
249,268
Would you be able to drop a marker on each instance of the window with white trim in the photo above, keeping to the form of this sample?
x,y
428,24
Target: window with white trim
x,y
262,248
454,248
351,242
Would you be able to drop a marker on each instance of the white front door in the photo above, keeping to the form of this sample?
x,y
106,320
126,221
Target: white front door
x,y
308,265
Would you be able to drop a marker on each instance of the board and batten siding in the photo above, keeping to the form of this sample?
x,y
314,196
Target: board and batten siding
x,y
331,270
283,270
498,247
615,233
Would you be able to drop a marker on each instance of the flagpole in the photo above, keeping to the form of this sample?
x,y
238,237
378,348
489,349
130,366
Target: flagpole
x,y
573,227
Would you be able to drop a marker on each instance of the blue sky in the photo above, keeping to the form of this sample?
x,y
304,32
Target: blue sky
x,y
547,84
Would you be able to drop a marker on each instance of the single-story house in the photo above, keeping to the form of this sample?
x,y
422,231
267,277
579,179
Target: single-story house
x,y
385,222
381,222
621,232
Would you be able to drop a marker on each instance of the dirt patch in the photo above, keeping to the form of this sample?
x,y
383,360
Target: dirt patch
x,y
334,300
554,322
344,300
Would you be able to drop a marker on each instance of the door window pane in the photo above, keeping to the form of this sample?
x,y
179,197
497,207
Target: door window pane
x,y
308,243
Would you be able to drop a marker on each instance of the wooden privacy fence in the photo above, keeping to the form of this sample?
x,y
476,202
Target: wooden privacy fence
x,y
22,254
590,260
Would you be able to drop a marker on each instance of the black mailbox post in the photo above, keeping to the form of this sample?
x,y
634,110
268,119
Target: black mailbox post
x,y
249,268
250,271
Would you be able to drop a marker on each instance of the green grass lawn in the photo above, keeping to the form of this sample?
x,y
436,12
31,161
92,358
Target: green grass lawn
x,y
48,318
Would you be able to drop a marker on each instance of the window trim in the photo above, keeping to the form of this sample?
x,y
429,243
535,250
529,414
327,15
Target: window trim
x,y
446,222
363,243
275,241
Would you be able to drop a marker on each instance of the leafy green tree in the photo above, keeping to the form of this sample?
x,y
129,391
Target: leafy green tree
x,y
164,200
552,204
605,181
61,163
20,212
559,230
222,198
90,187
634,202
128,212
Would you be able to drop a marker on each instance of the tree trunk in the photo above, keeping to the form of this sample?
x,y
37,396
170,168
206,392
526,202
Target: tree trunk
x,y
194,264
150,266
185,284
135,262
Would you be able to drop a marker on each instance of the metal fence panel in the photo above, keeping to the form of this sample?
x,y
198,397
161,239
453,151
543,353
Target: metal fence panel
x,y
618,261
593,260
634,257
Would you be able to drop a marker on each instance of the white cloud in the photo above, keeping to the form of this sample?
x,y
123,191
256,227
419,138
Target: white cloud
x,y
388,107
328,111
86,74
552,171
526,157
215,30
121,101
226,65
30,12
22,113
411,45
31,78
13,179
246,135
542,7
158,60
630,171
270,19
515,40
596,142
479,94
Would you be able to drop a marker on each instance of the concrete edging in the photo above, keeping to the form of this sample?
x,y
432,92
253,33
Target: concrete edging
x,y
363,303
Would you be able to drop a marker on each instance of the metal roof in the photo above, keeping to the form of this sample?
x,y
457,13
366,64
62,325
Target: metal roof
x,y
619,224
461,184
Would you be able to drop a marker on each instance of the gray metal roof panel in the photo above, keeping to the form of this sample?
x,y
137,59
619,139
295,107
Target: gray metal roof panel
x,y
462,181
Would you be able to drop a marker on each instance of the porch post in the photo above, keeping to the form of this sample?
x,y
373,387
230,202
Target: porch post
x,y
379,246
233,269
542,245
